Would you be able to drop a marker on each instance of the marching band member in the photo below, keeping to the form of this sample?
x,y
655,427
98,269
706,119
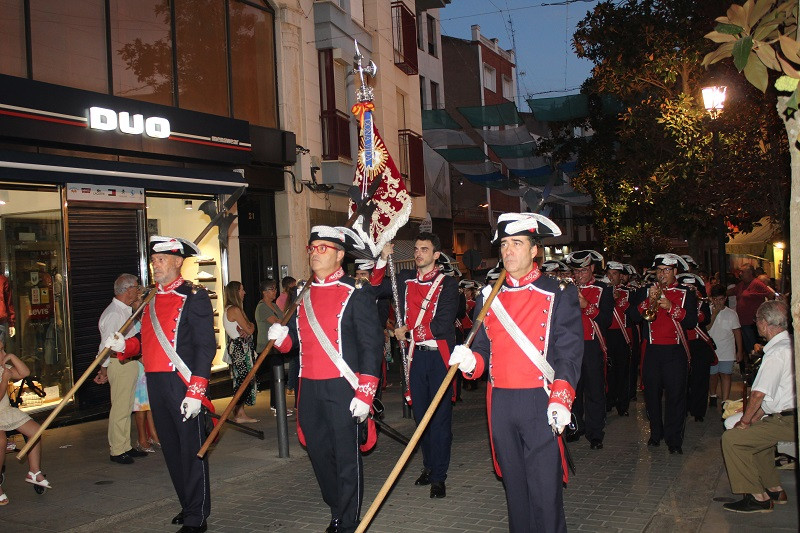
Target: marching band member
x,y
429,300
531,342
701,348
669,309
341,345
619,338
597,306
177,344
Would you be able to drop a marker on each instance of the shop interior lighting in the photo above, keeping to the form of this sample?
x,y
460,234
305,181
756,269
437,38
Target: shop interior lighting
x,y
187,204
4,197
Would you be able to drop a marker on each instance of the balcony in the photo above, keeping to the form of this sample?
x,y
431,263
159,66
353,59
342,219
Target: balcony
x,y
411,163
335,135
404,35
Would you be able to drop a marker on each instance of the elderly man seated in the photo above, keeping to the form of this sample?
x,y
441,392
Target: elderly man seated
x,y
749,448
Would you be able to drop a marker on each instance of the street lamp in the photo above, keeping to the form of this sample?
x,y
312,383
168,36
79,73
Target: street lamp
x,y
714,103
714,99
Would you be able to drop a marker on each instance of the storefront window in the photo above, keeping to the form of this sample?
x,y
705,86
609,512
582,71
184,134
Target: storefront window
x,y
69,43
180,217
141,50
200,42
12,38
252,33
31,258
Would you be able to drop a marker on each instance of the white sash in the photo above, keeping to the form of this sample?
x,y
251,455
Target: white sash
x,y
326,344
177,362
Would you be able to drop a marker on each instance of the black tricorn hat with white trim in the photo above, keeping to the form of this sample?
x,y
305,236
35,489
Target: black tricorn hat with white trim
x,y
344,238
690,261
160,244
533,224
467,284
365,264
673,260
630,269
687,278
554,265
494,273
584,258
616,265
447,265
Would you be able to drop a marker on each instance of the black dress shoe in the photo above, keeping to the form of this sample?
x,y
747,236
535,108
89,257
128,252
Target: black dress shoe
x,y
178,519
136,453
333,527
424,478
123,459
194,529
653,442
675,449
438,490
749,504
596,444
698,419
574,437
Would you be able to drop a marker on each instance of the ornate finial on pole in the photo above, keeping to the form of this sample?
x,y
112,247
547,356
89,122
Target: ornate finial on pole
x,y
365,92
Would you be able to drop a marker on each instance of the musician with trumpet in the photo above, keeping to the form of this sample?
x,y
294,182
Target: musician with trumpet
x,y
669,310
701,347
619,338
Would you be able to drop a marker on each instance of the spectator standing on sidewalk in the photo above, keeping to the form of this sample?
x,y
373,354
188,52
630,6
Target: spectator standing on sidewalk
x,y
749,447
240,348
287,296
121,375
267,314
724,328
750,293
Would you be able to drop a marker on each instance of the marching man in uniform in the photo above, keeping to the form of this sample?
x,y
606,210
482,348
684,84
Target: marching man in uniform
x,y
532,343
619,339
597,309
430,301
341,347
669,309
177,344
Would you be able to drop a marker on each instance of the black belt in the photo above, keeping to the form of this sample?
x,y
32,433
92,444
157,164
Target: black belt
x,y
426,348
790,412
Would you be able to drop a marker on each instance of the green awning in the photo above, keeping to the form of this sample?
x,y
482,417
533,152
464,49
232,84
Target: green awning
x,y
513,151
491,115
435,119
469,153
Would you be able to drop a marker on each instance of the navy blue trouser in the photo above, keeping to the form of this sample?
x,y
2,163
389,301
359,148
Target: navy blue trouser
x,y
180,442
702,356
427,373
619,353
664,372
529,459
331,435
590,394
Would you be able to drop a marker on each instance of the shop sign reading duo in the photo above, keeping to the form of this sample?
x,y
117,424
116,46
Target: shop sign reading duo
x,y
104,119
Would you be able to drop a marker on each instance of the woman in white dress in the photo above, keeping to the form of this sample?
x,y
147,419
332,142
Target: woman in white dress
x,y
11,418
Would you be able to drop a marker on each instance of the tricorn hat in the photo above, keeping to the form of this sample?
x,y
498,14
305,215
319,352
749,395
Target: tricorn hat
x,y
584,258
494,273
345,238
690,261
173,246
533,224
365,264
554,265
673,260
616,265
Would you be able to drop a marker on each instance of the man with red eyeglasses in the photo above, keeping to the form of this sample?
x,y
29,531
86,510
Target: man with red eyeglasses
x,y
340,361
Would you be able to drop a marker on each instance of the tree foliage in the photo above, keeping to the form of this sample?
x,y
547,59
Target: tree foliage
x,y
662,167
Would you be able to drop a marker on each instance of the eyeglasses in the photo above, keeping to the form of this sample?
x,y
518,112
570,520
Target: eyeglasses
x,y
664,269
320,248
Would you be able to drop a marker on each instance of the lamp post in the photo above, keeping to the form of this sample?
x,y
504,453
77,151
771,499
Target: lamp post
x,y
714,103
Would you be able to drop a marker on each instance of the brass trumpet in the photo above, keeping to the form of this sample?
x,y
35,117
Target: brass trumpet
x,y
651,312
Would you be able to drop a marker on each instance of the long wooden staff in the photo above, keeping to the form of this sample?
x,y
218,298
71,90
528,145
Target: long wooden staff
x,y
97,360
263,355
429,413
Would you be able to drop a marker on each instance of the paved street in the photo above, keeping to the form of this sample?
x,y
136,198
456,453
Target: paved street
x,y
624,487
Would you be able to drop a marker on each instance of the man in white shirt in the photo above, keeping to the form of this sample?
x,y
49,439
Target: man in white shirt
x,y
749,448
726,332
121,377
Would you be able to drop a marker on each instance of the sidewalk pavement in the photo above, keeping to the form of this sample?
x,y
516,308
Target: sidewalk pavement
x,y
625,487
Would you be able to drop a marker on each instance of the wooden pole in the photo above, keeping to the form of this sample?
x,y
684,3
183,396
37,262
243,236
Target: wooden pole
x,y
387,485
97,360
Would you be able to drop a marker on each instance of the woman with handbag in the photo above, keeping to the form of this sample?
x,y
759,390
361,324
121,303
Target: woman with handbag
x,y
11,418
240,347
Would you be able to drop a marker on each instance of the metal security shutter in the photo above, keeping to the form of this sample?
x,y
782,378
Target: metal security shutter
x,y
103,243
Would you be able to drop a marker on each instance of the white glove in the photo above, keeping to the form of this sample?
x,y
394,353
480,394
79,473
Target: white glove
x,y
116,342
558,416
359,409
190,408
277,333
464,358
12,331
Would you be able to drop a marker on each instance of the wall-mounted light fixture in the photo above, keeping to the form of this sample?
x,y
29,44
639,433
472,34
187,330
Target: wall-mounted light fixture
x,y
187,204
